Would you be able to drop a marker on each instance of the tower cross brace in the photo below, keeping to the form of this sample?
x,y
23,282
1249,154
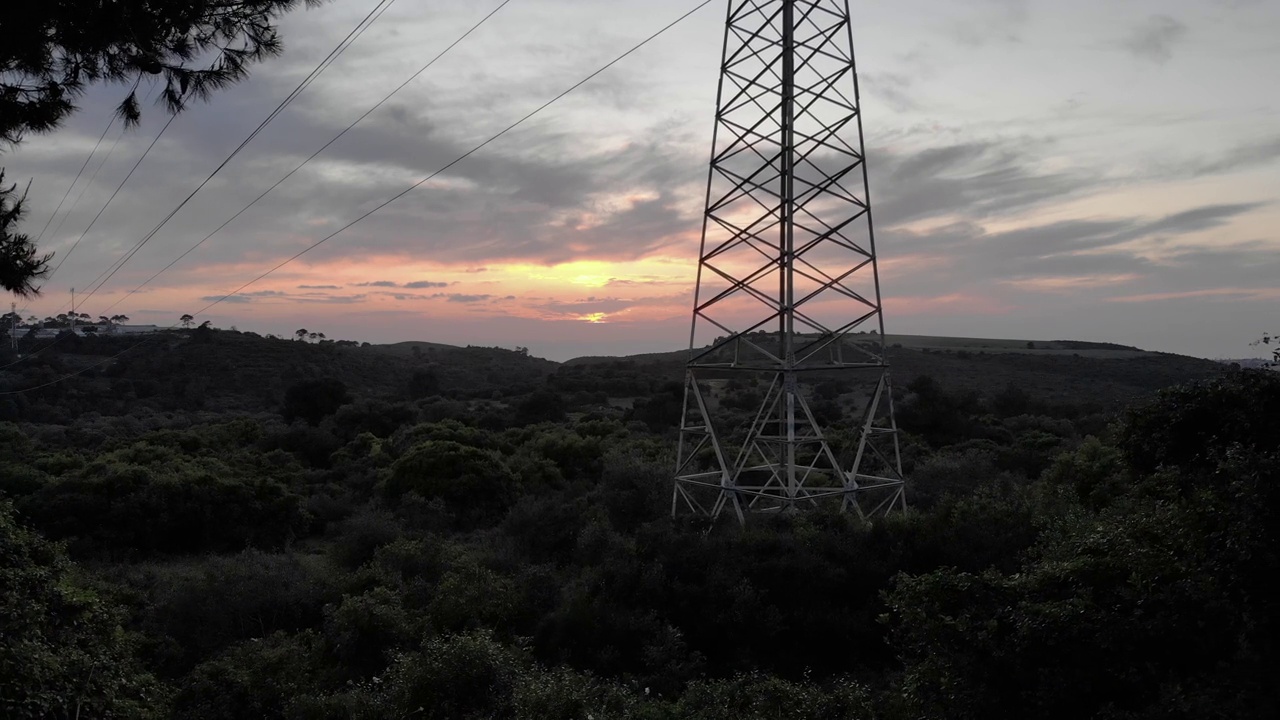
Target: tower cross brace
x,y
788,293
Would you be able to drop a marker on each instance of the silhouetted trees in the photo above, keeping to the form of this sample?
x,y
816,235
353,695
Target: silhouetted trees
x,y
314,400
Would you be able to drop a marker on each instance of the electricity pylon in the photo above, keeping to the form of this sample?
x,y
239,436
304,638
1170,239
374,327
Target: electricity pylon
x,y
788,294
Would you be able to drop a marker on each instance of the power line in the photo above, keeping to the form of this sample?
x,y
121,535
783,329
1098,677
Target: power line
x,y
399,195
85,188
106,205
460,158
119,187
102,210
356,32
79,174
79,196
313,155
76,203
365,23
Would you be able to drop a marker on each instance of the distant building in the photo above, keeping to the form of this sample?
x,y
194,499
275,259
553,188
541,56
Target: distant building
x,y
131,329
88,330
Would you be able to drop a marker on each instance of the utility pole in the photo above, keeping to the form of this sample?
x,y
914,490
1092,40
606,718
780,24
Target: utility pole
x,y
788,293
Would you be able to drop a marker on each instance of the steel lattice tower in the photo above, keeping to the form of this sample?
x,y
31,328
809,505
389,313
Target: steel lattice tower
x,y
788,292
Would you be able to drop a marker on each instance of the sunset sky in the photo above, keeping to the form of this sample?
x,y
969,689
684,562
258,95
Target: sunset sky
x,y
1093,170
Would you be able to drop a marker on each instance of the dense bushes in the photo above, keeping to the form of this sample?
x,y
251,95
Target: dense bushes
x,y
484,552
472,482
1149,604
187,507
64,653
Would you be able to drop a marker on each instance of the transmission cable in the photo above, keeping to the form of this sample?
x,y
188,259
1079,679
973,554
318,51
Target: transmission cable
x,y
364,25
373,16
85,188
313,155
460,158
76,203
119,187
111,123
389,201
80,196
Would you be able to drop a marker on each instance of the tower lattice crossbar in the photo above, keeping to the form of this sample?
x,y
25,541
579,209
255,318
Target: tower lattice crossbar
x,y
788,296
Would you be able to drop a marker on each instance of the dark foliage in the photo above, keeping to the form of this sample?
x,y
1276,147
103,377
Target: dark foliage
x,y
501,545
63,654
1194,426
314,400
21,264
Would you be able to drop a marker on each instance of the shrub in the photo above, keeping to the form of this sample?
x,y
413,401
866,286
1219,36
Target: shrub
x,y
474,483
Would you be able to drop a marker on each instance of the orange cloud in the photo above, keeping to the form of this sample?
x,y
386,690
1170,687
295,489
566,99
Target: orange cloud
x,y
952,304
1223,293
1066,284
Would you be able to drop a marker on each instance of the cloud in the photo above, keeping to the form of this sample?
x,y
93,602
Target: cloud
x,y
976,178
981,202
586,307
1081,254
310,297
893,88
1207,294
1242,157
992,21
416,285
1155,38
329,299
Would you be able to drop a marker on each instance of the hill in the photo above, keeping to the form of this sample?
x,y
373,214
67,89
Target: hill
x,y
1057,371
409,348
234,372
227,371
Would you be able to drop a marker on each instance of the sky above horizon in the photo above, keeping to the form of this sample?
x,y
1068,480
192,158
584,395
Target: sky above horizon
x,y
1096,170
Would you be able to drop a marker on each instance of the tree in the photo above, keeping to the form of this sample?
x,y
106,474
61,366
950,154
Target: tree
x,y
314,400
301,333
20,264
423,384
1148,602
1267,339
54,50
64,653
117,319
186,321
473,482
543,405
